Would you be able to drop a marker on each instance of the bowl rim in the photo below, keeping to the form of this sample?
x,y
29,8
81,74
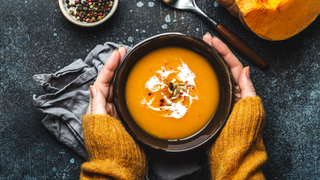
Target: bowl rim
x,y
122,119
83,24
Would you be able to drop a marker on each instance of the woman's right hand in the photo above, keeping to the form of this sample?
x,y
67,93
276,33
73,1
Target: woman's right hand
x,y
244,87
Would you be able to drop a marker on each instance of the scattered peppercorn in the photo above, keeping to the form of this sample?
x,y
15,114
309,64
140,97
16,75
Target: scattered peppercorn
x,y
162,100
149,94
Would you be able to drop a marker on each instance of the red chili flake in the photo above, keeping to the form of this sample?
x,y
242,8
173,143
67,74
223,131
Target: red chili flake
x,y
150,69
88,2
162,70
186,82
171,68
178,113
166,64
192,88
131,86
167,110
199,115
188,74
161,104
181,93
76,2
187,87
167,136
160,108
78,13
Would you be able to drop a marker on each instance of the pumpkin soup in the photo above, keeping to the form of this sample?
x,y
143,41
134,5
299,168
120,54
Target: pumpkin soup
x,y
172,93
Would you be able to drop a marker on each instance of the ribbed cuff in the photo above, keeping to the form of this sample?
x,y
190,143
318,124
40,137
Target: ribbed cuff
x,y
111,150
239,152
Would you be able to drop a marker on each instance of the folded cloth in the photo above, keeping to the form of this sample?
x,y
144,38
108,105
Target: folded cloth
x,y
67,99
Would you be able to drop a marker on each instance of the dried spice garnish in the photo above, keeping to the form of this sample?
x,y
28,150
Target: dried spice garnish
x,y
176,90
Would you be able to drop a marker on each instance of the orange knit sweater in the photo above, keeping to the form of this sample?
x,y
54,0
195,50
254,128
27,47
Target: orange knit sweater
x,y
237,153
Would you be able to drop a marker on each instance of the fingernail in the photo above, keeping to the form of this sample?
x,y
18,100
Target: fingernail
x,y
116,50
121,46
208,33
93,91
248,72
214,37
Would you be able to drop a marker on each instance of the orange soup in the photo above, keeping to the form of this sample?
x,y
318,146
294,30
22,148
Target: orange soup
x,y
172,93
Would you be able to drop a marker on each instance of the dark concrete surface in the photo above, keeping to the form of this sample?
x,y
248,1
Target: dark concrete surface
x,y
36,38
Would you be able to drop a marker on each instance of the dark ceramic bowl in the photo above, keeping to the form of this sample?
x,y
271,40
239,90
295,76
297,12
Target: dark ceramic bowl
x,y
216,61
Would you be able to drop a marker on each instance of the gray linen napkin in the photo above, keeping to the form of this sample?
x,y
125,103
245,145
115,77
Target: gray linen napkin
x,y
67,100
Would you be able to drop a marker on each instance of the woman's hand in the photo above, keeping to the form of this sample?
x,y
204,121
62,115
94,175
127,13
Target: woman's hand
x,y
244,86
101,99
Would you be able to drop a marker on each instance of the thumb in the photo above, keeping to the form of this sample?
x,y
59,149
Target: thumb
x,y
98,101
245,84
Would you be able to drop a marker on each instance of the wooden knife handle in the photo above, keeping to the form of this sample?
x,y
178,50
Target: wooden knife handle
x,y
241,46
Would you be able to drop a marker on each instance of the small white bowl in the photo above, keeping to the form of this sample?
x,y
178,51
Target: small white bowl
x,y
65,11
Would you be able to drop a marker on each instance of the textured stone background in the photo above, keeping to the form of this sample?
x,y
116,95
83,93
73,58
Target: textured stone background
x,y
36,38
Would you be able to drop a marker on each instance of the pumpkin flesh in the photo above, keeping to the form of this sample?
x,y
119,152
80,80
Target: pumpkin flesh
x,y
274,19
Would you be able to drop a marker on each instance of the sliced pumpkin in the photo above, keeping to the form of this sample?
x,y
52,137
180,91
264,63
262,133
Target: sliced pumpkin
x,y
274,19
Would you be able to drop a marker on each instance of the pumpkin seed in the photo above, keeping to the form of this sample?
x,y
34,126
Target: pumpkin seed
x,y
171,85
173,98
183,89
175,92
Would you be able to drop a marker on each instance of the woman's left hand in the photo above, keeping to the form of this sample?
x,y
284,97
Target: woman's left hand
x,y
101,98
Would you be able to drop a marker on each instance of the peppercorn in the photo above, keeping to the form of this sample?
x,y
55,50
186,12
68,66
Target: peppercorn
x,y
162,100
94,10
149,94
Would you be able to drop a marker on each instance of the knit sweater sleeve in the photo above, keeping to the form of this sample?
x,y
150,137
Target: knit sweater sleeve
x,y
113,154
239,152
